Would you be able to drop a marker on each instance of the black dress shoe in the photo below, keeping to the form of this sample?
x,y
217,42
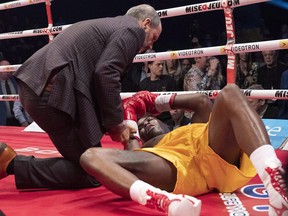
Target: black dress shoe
x,y
7,154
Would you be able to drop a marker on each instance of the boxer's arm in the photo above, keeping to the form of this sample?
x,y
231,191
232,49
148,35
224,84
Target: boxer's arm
x,y
200,104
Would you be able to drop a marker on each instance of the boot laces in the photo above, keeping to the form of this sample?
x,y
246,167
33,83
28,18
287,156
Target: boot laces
x,y
278,181
159,201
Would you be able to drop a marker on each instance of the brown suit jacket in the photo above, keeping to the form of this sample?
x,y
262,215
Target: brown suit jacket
x,y
88,59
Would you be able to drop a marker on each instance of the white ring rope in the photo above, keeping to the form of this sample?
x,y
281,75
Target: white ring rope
x,y
216,50
22,3
9,68
279,94
192,53
19,3
204,7
166,13
33,32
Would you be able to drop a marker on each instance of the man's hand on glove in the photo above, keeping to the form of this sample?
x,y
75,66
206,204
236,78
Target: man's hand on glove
x,y
121,132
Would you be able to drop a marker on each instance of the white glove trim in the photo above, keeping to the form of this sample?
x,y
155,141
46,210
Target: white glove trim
x,y
162,103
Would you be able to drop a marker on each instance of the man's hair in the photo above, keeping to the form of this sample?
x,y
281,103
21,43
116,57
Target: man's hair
x,y
143,11
275,52
256,87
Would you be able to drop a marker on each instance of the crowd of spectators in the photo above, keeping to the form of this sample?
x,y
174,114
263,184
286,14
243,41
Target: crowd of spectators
x,y
12,113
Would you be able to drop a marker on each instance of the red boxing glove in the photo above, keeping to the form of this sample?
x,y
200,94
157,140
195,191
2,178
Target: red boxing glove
x,y
148,99
156,103
133,107
145,101
136,106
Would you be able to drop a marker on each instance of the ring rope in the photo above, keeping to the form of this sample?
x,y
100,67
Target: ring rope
x,y
204,7
165,13
192,53
33,32
9,68
22,3
279,94
19,3
216,50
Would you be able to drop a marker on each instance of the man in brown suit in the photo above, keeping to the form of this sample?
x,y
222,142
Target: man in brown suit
x,y
71,88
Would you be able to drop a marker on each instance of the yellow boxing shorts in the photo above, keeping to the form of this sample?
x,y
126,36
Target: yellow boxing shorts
x,y
199,169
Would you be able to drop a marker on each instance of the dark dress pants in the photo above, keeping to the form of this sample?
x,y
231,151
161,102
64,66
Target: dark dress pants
x,y
52,173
